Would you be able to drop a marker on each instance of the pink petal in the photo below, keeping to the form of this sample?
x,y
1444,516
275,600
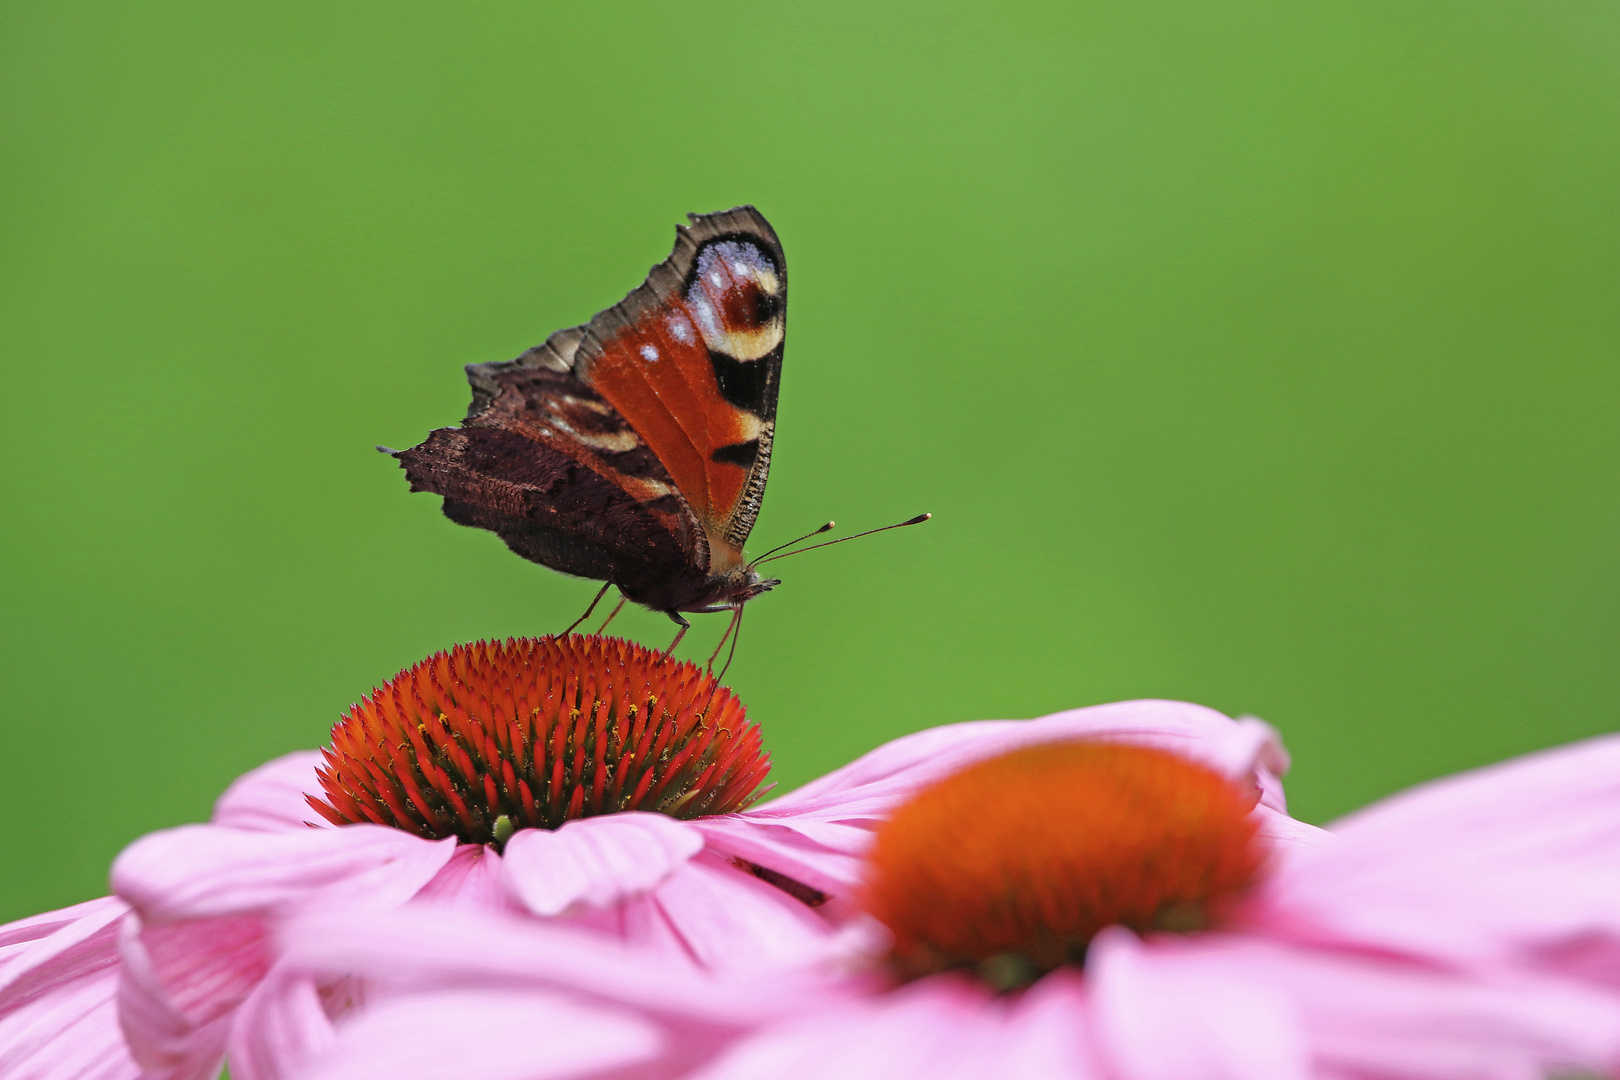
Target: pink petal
x,y
826,857
1366,1015
1049,1030
942,1028
1514,862
1235,748
1159,1015
472,880
596,861
640,922
58,989
729,920
43,953
271,797
281,1029
202,871
489,1034
1284,835
70,1034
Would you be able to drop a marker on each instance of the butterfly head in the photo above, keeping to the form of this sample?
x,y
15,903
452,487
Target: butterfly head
x,y
741,585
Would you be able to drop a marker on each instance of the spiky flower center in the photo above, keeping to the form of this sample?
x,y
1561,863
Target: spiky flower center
x,y
1011,866
497,736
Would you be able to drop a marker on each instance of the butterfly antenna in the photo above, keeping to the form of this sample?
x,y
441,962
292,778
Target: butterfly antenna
x,y
813,532
918,520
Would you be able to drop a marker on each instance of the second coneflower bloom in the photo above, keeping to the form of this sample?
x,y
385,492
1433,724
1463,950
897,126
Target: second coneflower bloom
x,y
553,778
1009,868
1092,909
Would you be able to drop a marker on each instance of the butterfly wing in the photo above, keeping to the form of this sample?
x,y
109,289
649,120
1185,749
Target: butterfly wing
x,y
693,360
548,465
633,449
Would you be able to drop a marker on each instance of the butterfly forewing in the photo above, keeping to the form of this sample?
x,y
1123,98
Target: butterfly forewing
x,y
693,359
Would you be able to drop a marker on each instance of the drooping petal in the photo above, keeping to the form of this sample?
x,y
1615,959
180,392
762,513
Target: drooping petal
x,y
1513,863
271,798
1365,1014
206,871
489,1034
205,896
169,1043
1160,1016
593,862
58,991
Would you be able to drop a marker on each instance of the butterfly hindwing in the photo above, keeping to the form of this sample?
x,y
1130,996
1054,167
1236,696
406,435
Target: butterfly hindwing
x,y
548,465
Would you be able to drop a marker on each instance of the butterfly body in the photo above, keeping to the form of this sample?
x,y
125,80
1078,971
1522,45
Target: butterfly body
x,y
634,449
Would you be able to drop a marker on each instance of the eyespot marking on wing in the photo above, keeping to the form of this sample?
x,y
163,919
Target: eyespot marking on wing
x,y
735,299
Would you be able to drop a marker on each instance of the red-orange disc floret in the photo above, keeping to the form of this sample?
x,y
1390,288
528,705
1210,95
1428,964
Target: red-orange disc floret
x,y
497,736
1012,865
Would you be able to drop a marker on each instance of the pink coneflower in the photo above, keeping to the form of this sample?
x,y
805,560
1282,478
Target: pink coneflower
x,y
1151,934
552,778
1117,912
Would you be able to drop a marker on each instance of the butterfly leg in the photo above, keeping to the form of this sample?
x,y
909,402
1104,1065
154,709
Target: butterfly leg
x,y
616,609
684,627
736,617
605,587
736,624
736,637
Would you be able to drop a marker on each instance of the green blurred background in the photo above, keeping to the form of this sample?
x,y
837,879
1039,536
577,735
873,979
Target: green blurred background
x,y
1260,353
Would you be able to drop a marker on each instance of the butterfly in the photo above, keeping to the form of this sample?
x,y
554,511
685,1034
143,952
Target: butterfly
x,y
634,449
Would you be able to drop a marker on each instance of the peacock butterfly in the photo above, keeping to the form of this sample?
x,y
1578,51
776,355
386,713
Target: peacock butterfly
x,y
634,449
